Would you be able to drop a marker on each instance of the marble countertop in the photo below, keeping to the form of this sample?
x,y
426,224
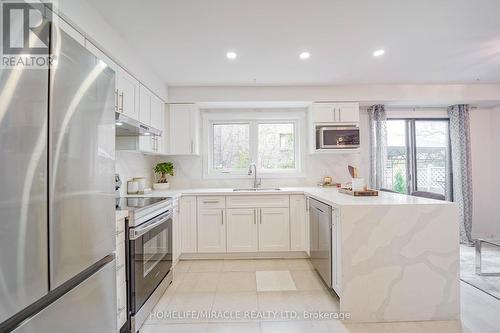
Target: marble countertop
x,y
328,195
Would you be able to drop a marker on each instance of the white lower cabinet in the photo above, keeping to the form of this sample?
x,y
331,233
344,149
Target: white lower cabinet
x,y
274,229
121,283
187,221
211,230
336,255
298,225
242,231
176,230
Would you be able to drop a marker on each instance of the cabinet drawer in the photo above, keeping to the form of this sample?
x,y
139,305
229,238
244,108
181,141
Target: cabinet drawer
x,y
258,201
211,202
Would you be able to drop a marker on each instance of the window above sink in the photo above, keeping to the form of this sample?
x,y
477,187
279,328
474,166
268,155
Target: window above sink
x,y
236,139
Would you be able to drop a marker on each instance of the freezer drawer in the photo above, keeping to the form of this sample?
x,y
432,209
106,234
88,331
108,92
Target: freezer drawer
x,y
89,307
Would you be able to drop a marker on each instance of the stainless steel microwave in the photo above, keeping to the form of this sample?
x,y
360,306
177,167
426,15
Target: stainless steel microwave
x,y
337,137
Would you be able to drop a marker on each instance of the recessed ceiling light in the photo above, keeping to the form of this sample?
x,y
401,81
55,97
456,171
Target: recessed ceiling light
x,y
231,55
147,133
305,55
378,53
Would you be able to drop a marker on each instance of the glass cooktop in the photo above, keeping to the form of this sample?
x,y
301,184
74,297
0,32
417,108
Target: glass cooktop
x,y
136,203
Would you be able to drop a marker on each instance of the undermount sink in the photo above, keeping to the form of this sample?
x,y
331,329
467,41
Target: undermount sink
x,y
258,189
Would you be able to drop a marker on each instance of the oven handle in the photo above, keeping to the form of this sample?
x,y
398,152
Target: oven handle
x,y
141,230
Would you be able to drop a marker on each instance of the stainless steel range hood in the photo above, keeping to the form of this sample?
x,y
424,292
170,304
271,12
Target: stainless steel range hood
x,y
126,126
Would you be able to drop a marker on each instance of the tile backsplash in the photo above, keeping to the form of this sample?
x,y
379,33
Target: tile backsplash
x,y
134,164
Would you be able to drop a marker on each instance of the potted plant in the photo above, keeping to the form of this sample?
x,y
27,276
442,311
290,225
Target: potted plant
x,y
163,169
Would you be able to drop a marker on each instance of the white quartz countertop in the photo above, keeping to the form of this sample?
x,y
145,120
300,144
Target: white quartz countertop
x,y
328,195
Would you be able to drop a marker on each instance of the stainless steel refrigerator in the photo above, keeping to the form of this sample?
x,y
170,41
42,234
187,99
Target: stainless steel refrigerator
x,y
57,215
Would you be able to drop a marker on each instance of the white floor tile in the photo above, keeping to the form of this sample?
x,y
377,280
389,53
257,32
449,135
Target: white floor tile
x,y
274,281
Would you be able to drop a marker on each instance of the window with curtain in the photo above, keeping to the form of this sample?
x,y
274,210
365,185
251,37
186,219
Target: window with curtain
x,y
418,156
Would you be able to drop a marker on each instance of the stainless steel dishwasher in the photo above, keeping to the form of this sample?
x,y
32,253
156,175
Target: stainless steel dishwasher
x,y
320,223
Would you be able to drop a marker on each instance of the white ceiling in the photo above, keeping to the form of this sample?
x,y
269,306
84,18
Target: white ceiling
x,y
426,41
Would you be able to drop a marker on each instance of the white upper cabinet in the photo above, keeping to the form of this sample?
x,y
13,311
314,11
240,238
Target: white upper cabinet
x,y
335,112
151,113
145,105
128,94
157,113
183,128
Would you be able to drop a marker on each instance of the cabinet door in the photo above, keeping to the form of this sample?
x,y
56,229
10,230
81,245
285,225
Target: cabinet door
x,y
176,235
145,106
323,112
297,223
187,219
336,259
156,113
242,230
211,231
157,121
274,229
183,128
348,113
128,94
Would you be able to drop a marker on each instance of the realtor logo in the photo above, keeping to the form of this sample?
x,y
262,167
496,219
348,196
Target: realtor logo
x,y
26,34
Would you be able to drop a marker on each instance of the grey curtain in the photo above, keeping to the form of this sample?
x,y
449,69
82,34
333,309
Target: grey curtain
x,y
378,145
462,167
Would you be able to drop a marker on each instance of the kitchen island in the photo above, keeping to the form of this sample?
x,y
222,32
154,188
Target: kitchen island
x,y
396,257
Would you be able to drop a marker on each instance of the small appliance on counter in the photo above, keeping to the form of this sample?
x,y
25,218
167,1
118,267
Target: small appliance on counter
x,y
357,187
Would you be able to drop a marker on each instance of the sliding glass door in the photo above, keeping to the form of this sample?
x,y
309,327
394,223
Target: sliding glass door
x,y
418,156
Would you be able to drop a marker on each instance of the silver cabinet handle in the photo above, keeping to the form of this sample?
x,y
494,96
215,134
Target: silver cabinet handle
x,y
260,215
222,217
192,147
210,201
116,100
339,115
254,216
120,108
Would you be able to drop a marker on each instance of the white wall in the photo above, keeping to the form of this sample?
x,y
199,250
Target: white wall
x,y
430,94
89,21
485,142
189,169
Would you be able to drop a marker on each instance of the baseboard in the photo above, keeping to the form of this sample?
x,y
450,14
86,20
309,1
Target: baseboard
x,y
246,255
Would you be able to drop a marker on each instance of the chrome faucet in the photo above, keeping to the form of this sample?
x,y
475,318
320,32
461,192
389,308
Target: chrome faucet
x,y
254,172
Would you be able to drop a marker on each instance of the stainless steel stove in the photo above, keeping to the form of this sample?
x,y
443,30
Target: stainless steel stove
x,y
149,254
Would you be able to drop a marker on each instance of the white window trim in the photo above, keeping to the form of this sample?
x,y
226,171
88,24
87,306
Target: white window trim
x,y
210,117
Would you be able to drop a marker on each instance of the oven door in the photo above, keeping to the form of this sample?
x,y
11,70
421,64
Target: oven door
x,y
150,258
338,137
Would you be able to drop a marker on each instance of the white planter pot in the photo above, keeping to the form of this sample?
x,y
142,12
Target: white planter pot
x,y
161,186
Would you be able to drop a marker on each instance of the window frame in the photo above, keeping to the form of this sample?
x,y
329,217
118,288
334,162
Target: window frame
x,y
253,118
411,153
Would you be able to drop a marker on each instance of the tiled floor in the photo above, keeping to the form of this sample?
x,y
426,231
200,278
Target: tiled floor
x,y
229,287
